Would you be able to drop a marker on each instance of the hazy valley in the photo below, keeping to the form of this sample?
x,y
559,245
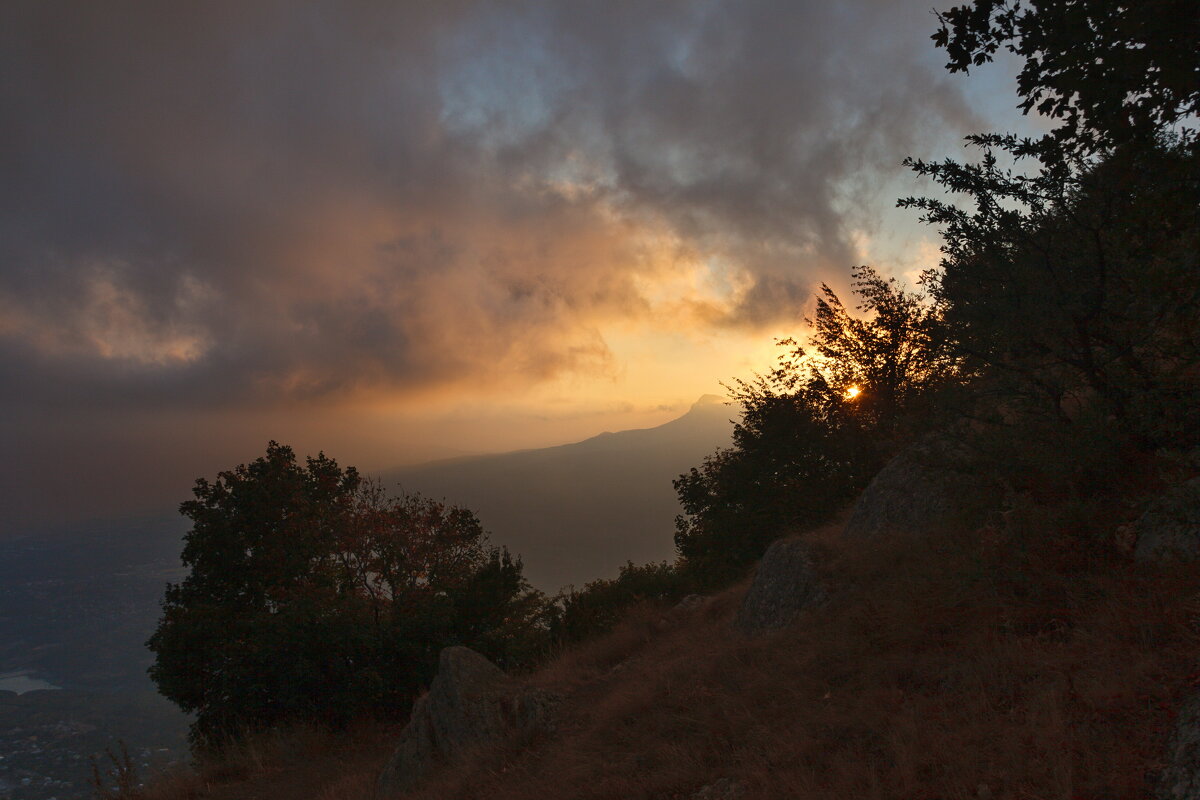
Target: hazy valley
x,y
78,603
579,511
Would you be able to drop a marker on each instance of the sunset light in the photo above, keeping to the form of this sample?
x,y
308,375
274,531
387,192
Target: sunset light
x,y
381,370
528,251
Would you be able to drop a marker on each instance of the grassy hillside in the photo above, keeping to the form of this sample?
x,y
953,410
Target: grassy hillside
x,y
1000,663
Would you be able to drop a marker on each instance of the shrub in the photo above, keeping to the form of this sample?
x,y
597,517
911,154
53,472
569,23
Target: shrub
x,y
602,603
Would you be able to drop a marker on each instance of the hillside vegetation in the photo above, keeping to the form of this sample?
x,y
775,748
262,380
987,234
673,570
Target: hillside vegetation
x,y
1012,611
947,666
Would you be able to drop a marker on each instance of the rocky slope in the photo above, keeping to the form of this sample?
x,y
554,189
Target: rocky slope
x,y
1004,661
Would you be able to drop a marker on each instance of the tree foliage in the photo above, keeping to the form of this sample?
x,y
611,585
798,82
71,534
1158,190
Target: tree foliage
x,y
312,595
600,604
1079,288
1073,288
1112,72
1065,306
816,428
887,360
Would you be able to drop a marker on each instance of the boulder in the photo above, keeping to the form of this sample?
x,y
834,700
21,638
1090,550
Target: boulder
x,y
693,602
1181,778
471,703
785,583
1169,529
929,485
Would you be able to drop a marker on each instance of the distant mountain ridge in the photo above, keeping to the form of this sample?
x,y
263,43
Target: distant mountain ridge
x,y
578,511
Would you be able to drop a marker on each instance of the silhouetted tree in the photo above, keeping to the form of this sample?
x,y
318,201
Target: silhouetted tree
x,y
1069,278
1074,285
886,360
1113,72
1082,288
312,595
816,428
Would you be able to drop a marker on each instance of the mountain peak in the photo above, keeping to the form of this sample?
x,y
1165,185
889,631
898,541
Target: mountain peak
x,y
709,400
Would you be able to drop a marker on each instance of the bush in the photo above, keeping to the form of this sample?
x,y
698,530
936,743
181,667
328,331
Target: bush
x,y
602,603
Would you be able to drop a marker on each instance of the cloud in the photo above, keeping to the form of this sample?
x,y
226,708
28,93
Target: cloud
x,y
249,204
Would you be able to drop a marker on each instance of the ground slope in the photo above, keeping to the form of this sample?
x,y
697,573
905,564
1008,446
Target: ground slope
x,y
992,665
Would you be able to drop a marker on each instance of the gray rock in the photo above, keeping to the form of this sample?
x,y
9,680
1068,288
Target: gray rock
x,y
929,485
785,583
1181,779
692,602
1169,529
470,703
724,789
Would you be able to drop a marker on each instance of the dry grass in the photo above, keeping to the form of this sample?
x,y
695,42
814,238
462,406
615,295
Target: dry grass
x,y
300,762
941,665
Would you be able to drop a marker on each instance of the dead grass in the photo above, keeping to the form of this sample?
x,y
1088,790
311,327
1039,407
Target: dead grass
x,y
299,762
941,665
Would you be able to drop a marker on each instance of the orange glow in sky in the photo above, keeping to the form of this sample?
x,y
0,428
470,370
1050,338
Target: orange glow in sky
x,y
453,233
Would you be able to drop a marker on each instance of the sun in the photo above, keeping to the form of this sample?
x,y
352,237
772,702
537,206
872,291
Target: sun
x,y
853,392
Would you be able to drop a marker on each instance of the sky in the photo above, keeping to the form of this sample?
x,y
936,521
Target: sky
x,y
395,231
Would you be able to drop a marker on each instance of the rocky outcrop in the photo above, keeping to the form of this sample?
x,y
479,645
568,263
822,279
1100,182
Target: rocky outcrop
x,y
1169,529
470,704
929,485
785,583
693,602
1181,778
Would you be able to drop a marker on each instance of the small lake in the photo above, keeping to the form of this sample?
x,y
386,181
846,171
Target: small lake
x,y
20,682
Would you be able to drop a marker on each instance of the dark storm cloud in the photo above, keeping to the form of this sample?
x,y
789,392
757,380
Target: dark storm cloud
x,y
231,202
